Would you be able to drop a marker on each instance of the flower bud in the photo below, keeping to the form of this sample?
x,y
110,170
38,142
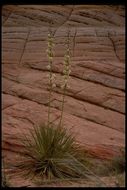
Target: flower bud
x,y
48,67
69,71
49,45
65,77
52,79
67,56
49,35
64,72
50,58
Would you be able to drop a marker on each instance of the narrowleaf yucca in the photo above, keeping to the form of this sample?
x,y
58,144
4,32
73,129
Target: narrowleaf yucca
x,y
50,151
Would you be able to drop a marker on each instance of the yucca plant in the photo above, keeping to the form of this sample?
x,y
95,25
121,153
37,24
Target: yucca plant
x,y
50,150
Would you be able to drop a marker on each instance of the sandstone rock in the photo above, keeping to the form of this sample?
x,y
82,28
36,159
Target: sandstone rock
x,y
95,102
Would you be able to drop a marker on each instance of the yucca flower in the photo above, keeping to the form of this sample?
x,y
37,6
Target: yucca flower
x,y
51,76
66,72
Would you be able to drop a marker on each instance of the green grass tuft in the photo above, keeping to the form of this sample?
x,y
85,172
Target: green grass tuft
x,y
52,153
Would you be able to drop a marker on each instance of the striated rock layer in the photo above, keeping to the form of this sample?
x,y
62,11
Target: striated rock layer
x,y
95,102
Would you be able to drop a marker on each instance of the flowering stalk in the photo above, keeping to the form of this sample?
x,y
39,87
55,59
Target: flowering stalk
x,y
49,67
66,73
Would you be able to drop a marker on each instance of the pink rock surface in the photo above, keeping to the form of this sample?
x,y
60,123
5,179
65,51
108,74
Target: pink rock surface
x,y
95,102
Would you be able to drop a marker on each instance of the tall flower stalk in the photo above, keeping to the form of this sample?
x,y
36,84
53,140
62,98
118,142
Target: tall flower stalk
x,y
49,67
66,73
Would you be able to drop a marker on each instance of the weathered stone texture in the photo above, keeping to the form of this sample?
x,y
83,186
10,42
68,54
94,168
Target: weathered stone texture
x,y
95,101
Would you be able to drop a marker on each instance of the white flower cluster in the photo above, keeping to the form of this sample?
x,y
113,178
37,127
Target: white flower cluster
x,y
52,80
66,69
49,51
